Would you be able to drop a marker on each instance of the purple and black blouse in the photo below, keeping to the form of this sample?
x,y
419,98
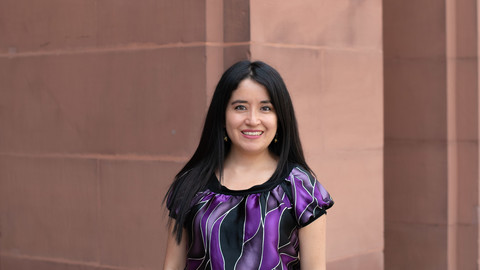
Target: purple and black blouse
x,y
255,228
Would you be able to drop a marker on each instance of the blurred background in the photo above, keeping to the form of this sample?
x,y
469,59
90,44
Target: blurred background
x,y
102,102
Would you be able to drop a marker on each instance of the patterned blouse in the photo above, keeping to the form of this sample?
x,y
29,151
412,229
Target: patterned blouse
x,y
255,228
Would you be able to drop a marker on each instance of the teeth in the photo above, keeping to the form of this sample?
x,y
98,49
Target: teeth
x,y
252,133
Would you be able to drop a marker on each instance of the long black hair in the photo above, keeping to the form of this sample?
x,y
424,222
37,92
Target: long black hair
x,y
212,149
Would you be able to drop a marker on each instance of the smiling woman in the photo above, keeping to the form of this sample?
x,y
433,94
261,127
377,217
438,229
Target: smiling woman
x,y
245,198
251,121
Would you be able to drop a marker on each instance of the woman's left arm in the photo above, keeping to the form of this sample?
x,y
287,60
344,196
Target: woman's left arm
x,y
312,244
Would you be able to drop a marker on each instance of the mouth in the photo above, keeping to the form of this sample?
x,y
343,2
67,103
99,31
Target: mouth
x,y
252,133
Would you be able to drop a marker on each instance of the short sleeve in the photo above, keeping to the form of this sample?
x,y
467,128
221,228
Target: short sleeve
x,y
310,198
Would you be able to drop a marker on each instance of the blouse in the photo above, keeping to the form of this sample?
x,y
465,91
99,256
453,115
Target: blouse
x,y
255,228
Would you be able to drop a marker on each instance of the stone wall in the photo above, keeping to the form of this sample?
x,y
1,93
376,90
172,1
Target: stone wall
x,y
102,102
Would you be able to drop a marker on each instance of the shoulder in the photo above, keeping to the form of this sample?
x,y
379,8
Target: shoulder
x,y
298,173
310,199
303,180
299,177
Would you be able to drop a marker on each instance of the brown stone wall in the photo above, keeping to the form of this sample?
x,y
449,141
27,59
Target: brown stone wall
x,y
101,103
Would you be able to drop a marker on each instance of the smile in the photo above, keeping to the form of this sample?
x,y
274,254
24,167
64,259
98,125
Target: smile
x,y
252,133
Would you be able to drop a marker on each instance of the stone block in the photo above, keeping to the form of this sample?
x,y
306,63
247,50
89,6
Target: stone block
x,y
148,21
422,246
349,24
355,182
144,102
214,21
370,261
33,27
466,247
467,183
466,99
47,25
133,217
236,21
49,208
351,103
416,182
415,94
26,263
466,29
416,30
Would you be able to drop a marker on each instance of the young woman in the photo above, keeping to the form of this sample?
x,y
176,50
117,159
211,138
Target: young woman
x,y
247,199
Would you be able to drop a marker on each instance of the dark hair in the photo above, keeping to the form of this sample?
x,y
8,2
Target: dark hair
x,y
212,149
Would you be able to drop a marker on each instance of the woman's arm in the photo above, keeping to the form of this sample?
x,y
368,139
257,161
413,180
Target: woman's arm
x,y
176,254
312,244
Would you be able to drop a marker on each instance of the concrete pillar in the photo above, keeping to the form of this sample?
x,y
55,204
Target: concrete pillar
x,y
101,104
463,123
330,54
431,134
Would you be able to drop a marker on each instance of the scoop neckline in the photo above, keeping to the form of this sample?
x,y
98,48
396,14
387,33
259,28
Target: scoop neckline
x,y
215,185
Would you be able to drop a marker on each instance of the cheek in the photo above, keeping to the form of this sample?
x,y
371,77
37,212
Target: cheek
x,y
272,123
232,121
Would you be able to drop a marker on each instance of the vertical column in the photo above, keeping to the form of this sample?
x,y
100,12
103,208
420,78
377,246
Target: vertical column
x,y
431,135
228,37
478,129
214,46
236,31
463,123
330,55
416,164
101,102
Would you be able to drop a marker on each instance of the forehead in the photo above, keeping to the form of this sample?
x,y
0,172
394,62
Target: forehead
x,y
249,89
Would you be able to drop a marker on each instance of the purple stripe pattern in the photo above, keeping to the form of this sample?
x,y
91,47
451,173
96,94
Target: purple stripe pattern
x,y
255,229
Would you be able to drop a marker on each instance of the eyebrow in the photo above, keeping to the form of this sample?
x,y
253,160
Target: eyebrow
x,y
244,101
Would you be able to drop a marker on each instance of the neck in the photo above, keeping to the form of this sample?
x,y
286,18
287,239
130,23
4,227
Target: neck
x,y
250,161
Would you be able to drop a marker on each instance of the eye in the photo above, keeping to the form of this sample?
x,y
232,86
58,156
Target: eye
x,y
240,108
266,108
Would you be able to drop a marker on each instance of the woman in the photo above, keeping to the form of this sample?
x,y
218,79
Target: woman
x,y
247,199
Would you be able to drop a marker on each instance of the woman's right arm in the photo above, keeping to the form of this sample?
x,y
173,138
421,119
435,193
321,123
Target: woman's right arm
x,y
176,254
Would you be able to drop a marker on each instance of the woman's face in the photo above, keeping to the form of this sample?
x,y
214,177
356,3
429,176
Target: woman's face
x,y
251,120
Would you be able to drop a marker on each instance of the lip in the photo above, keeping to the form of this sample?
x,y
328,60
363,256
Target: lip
x,y
249,133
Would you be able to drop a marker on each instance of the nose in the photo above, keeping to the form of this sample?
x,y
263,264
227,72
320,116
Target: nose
x,y
252,118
